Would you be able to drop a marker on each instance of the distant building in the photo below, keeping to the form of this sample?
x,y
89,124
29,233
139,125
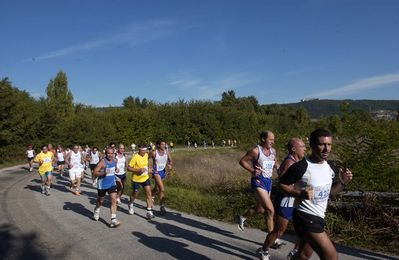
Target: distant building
x,y
308,99
384,114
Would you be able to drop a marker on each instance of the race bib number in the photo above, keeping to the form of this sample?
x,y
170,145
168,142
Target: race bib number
x,y
267,165
321,194
160,167
110,171
46,160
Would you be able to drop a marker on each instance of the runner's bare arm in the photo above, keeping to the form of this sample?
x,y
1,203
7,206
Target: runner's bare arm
x,y
98,168
250,156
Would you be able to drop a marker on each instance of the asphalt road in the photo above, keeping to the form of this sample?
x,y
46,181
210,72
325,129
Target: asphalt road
x,y
60,226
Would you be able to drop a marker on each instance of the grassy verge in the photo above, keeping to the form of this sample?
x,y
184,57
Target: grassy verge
x,y
13,163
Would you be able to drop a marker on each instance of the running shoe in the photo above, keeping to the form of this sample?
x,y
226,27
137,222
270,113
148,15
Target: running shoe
x,y
131,210
240,222
153,199
114,223
30,169
150,215
43,190
263,254
278,244
291,254
162,210
96,215
48,191
118,201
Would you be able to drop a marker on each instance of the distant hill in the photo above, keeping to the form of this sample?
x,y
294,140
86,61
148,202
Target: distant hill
x,y
326,107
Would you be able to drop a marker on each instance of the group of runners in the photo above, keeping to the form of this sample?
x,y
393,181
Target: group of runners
x,y
305,182
108,171
305,185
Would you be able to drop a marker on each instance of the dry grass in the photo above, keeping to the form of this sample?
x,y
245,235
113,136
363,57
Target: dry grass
x,y
210,169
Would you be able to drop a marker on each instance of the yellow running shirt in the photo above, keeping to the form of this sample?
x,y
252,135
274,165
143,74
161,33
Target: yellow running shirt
x,y
139,162
46,159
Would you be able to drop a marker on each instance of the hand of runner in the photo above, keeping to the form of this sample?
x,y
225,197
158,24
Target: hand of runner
x,y
257,171
307,193
345,176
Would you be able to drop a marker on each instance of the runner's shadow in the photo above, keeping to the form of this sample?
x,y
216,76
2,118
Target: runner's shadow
x,y
175,249
363,254
36,180
61,188
178,232
78,208
34,188
177,217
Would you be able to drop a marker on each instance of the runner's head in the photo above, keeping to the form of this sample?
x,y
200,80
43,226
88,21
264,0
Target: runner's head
x,y
143,149
50,146
75,149
109,153
297,148
320,141
161,144
267,139
121,148
44,148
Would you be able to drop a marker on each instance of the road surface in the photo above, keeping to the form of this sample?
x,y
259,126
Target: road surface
x,y
60,226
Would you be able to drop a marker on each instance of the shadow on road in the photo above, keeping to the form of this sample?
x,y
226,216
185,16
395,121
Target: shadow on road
x,y
21,246
78,208
178,232
175,249
362,253
177,217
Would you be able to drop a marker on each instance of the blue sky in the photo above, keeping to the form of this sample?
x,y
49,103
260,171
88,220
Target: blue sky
x,y
278,51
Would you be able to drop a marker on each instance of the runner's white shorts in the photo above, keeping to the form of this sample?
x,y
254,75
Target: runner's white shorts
x,y
75,173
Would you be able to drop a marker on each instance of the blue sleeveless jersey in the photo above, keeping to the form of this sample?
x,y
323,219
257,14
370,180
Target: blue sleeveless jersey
x,y
107,181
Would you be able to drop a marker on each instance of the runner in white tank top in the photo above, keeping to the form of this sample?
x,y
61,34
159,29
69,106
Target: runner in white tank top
x,y
30,154
121,174
161,159
74,161
260,161
93,157
60,159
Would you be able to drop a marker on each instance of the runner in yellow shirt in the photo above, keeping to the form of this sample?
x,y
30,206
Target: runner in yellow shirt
x,y
138,165
45,159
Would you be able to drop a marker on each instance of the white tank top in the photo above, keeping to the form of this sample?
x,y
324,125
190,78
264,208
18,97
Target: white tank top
x,y
30,153
94,158
120,164
60,156
160,160
266,162
76,160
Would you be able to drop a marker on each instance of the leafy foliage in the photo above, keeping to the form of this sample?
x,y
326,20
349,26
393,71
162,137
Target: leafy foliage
x,y
368,147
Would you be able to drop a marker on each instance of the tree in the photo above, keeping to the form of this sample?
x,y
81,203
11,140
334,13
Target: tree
x,y
59,105
229,98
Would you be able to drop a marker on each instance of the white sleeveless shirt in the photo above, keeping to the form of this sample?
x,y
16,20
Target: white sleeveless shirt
x,y
120,164
160,160
266,162
75,160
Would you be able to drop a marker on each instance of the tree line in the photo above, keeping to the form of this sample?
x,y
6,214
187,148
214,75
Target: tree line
x,y
368,146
